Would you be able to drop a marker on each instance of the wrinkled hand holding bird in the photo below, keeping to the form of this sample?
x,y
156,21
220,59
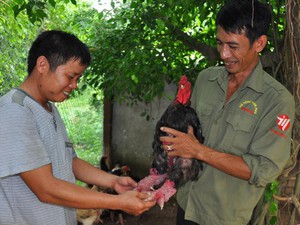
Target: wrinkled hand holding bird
x,y
180,144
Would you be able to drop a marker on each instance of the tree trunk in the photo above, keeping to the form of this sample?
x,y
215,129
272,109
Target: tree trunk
x,y
291,57
291,64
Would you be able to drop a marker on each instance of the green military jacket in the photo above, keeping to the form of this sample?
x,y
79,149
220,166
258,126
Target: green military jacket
x,y
256,124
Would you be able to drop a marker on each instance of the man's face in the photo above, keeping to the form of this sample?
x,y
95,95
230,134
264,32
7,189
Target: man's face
x,y
235,51
56,86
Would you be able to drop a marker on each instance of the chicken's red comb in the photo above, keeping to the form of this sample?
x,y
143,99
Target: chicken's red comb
x,y
184,91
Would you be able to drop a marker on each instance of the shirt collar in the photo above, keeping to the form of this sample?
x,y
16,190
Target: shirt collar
x,y
255,80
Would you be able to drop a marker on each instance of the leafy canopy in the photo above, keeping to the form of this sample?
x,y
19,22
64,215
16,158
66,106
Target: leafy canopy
x,y
137,46
144,44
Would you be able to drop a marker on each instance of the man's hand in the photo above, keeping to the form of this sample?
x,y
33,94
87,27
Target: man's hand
x,y
180,144
123,184
187,146
135,203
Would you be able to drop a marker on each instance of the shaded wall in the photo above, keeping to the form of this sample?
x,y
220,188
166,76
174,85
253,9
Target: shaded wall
x,y
132,134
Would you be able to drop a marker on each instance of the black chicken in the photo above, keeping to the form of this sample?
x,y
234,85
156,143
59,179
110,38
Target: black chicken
x,y
179,170
172,172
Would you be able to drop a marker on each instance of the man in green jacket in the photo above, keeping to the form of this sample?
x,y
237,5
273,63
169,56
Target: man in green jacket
x,y
247,119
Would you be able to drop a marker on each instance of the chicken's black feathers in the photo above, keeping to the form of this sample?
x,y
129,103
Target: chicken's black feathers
x,y
178,117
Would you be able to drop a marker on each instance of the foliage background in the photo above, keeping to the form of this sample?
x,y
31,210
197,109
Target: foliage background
x,y
83,119
84,123
137,46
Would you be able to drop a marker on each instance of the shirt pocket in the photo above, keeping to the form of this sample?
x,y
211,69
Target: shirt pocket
x,y
238,133
69,147
68,162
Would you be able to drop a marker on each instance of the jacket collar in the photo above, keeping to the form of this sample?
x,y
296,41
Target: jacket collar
x,y
255,81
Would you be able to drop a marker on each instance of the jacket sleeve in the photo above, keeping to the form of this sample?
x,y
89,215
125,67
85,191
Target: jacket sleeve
x,y
271,146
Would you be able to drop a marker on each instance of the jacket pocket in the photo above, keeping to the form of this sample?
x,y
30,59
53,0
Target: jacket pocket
x,y
239,129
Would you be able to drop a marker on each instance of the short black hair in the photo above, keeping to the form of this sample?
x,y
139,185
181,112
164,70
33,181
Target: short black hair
x,y
58,47
249,16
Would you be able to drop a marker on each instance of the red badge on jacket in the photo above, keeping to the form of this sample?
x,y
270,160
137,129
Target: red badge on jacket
x,y
283,122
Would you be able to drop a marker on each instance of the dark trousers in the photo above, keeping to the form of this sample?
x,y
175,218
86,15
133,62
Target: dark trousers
x,y
180,218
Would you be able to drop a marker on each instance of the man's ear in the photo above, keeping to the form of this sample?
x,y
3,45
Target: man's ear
x,y
261,43
42,64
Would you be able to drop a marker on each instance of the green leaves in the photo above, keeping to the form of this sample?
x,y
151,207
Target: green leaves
x,y
17,9
84,125
138,46
272,189
36,9
20,24
16,34
139,49
144,44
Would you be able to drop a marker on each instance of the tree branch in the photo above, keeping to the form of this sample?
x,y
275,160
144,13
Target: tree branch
x,y
208,51
5,3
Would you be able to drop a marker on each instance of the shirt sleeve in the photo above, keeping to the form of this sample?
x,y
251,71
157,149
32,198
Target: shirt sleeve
x,y
21,148
271,146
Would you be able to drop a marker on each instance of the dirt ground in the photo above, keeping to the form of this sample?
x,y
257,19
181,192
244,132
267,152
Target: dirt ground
x,y
167,216
155,216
